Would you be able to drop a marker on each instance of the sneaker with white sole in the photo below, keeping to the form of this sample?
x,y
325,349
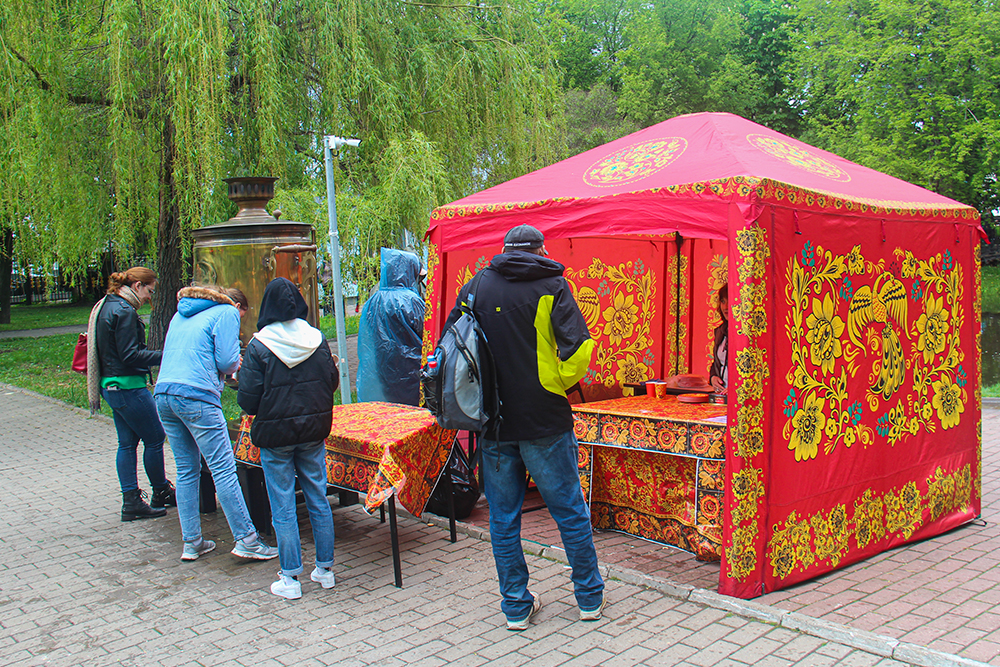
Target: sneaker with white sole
x,y
593,614
324,577
523,624
287,587
253,547
194,549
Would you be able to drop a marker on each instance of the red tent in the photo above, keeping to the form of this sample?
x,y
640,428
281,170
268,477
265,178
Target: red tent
x,y
853,423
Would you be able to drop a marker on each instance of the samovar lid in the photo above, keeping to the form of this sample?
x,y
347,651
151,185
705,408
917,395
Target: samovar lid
x,y
250,194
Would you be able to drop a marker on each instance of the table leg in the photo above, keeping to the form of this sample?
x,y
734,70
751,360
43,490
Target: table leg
x,y
394,536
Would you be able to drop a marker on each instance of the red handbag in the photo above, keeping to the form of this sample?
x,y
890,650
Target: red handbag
x,y
80,354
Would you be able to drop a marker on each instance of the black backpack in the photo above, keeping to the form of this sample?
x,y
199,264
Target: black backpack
x,y
459,379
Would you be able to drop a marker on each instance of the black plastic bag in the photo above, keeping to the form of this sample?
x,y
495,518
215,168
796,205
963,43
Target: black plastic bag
x,y
464,483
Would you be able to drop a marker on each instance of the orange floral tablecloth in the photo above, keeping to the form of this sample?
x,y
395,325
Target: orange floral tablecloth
x,y
379,449
654,468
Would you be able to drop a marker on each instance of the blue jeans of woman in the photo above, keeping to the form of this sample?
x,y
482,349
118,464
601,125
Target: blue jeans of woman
x,y
281,466
552,462
195,429
136,419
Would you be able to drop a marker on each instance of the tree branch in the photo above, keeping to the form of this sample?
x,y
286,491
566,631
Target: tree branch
x,y
46,86
438,6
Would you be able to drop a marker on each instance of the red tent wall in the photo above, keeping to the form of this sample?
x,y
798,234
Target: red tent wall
x,y
856,421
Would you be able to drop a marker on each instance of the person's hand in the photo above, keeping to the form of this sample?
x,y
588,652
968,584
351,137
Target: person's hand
x,y
717,385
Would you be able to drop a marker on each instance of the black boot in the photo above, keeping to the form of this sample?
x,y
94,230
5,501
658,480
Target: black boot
x,y
134,507
164,496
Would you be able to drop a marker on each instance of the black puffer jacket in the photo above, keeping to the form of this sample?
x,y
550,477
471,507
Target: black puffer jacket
x,y
288,377
121,340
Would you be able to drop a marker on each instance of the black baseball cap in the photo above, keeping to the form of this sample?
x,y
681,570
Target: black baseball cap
x,y
523,237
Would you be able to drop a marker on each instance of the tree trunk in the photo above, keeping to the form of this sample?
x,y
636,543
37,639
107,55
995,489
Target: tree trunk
x,y
28,287
169,256
6,266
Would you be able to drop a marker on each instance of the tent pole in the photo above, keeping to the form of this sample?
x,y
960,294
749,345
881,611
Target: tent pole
x,y
677,308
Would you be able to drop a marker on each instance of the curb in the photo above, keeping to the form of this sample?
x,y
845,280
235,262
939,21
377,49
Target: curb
x,y
863,640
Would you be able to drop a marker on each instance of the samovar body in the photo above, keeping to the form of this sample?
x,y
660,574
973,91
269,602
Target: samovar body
x,y
251,249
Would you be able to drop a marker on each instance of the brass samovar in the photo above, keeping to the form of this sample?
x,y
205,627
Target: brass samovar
x,y
254,247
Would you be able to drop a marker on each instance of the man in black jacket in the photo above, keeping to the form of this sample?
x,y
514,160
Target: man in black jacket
x,y
542,347
287,380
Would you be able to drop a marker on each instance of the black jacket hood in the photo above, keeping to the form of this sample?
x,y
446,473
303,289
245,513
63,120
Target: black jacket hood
x,y
281,302
519,266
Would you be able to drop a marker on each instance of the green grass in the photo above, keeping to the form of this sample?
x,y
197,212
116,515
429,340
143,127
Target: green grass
x,y
43,315
328,325
991,289
43,365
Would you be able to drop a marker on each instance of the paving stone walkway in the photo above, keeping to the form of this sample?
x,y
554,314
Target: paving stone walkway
x,y
942,593
78,586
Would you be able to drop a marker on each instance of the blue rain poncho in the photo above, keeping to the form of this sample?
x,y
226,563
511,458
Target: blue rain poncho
x,y
390,333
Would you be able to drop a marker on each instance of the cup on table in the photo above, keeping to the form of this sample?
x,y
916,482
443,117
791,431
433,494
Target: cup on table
x,y
659,388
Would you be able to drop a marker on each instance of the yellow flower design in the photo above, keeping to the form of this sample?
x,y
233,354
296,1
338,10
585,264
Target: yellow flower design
x,y
948,402
630,370
621,318
807,425
933,329
909,265
855,262
823,335
596,269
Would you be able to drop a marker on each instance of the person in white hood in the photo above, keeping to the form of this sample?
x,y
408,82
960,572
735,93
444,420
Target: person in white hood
x,y
287,381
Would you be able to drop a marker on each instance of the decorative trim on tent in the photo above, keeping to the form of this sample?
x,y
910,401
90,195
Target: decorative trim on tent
x,y
800,542
745,457
766,190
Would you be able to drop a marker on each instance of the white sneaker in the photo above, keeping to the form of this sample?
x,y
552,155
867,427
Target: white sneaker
x,y
323,577
287,587
593,614
526,621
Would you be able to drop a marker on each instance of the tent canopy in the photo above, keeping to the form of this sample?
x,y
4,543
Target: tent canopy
x,y
689,174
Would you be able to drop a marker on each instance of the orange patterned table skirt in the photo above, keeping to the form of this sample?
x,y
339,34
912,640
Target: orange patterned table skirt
x,y
654,468
380,449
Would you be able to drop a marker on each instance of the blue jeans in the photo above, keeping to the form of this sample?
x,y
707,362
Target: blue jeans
x,y
195,429
136,419
281,465
552,462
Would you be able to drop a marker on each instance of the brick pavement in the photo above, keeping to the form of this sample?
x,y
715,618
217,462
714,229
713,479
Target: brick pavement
x,y
77,586
942,593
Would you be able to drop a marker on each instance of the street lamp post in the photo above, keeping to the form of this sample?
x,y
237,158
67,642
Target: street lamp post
x,y
330,144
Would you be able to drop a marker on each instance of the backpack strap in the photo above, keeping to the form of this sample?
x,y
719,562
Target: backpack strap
x,y
470,298
494,395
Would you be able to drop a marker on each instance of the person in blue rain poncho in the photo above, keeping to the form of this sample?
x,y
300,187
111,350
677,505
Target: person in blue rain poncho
x,y
390,333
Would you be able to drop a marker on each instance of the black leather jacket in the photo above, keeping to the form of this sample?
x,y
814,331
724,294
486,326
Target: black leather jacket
x,y
121,340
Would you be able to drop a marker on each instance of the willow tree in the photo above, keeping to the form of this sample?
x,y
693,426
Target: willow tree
x,y
165,98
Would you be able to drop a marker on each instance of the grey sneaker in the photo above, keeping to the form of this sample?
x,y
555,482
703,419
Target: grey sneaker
x,y
194,549
593,614
526,621
323,577
253,547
